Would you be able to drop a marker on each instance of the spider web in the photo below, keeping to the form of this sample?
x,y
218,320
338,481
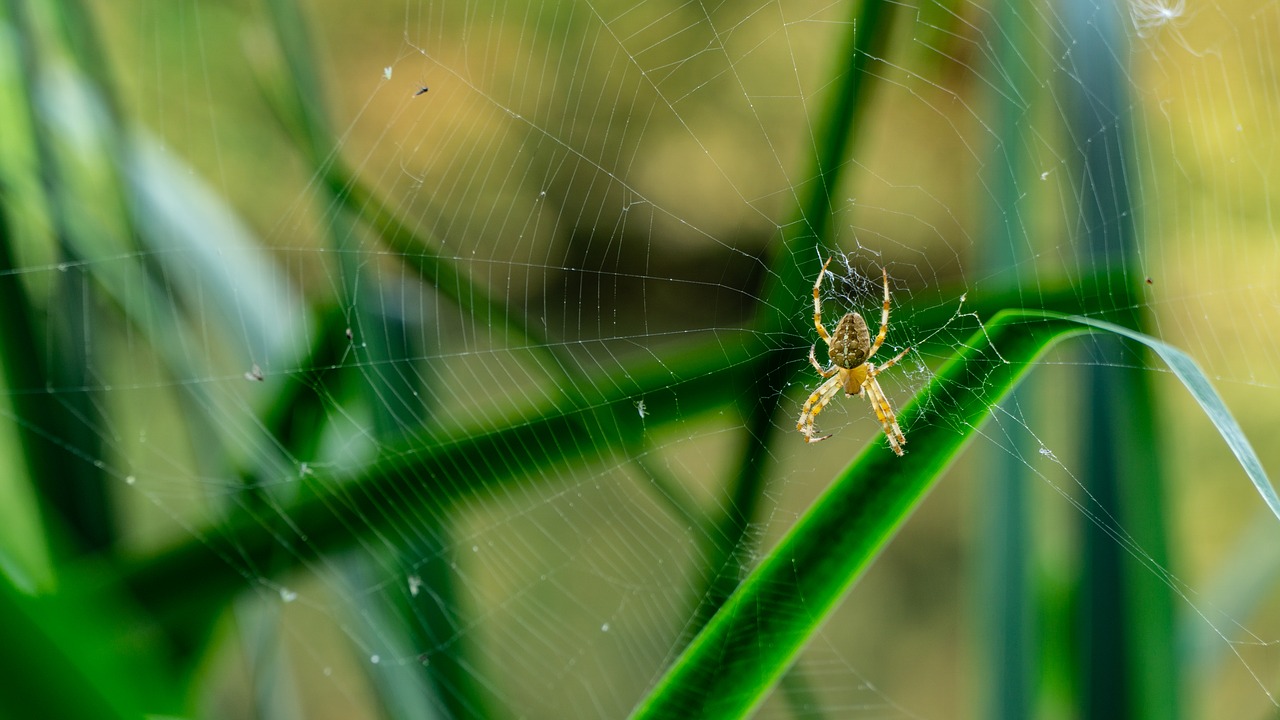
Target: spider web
x,y
612,182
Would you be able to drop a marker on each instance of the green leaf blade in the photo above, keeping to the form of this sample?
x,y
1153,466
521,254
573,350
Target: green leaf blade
x,y
732,665
1197,383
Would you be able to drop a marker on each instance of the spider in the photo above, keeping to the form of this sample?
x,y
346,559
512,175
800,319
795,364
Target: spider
x,y
850,349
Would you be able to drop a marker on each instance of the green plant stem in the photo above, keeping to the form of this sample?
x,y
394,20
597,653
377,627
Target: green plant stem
x,y
1126,649
1005,611
795,259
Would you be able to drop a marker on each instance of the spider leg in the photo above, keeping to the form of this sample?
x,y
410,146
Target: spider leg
x,y
814,405
884,317
873,371
813,360
884,412
817,304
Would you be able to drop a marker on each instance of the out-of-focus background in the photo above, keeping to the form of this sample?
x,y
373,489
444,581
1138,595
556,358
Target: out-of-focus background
x,y
260,253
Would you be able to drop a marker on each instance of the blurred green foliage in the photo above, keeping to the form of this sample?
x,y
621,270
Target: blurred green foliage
x,y
111,254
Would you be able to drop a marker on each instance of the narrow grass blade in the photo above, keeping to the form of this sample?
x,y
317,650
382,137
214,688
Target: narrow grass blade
x,y
1197,383
796,258
793,260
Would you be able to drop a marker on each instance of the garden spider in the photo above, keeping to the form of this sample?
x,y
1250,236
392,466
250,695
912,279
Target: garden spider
x,y
850,350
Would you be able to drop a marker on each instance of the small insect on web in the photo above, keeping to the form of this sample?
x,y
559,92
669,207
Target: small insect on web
x,y
850,350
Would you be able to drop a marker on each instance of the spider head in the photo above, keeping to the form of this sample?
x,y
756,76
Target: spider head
x,y
850,342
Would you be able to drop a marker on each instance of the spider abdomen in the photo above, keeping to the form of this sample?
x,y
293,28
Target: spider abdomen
x,y
850,342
